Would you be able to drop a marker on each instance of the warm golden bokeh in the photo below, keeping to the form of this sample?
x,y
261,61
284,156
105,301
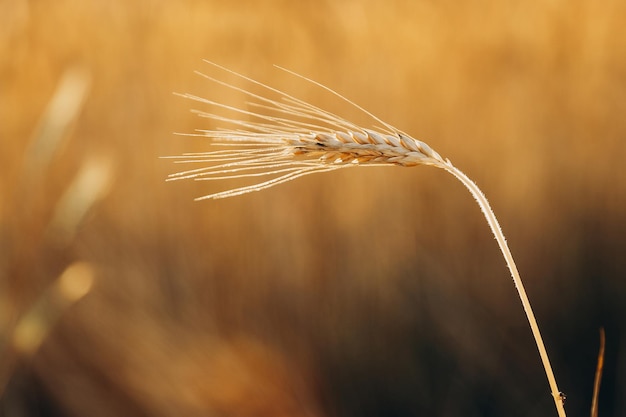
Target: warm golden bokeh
x,y
365,292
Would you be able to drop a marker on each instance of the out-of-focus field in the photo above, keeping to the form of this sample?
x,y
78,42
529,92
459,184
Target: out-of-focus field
x,y
366,292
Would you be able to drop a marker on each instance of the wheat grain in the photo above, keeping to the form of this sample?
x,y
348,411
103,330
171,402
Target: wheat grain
x,y
288,138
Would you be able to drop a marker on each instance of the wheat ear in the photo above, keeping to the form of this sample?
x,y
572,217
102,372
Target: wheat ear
x,y
287,138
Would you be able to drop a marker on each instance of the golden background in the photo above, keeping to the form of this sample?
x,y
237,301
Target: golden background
x,y
364,292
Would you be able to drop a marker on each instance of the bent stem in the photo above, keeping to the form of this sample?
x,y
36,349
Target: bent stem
x,y
504,248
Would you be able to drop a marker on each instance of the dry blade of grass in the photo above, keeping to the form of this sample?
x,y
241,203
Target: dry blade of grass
x,y
598,377
287,138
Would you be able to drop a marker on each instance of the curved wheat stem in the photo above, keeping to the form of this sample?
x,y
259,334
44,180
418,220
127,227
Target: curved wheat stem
x,y
286,138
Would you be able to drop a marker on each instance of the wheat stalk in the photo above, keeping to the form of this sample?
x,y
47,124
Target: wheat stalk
x,y
288,138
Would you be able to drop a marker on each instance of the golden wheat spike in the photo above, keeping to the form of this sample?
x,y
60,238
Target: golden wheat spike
x,y
288,138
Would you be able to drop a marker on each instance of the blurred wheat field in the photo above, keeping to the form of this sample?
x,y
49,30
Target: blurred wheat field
x,y
362,292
